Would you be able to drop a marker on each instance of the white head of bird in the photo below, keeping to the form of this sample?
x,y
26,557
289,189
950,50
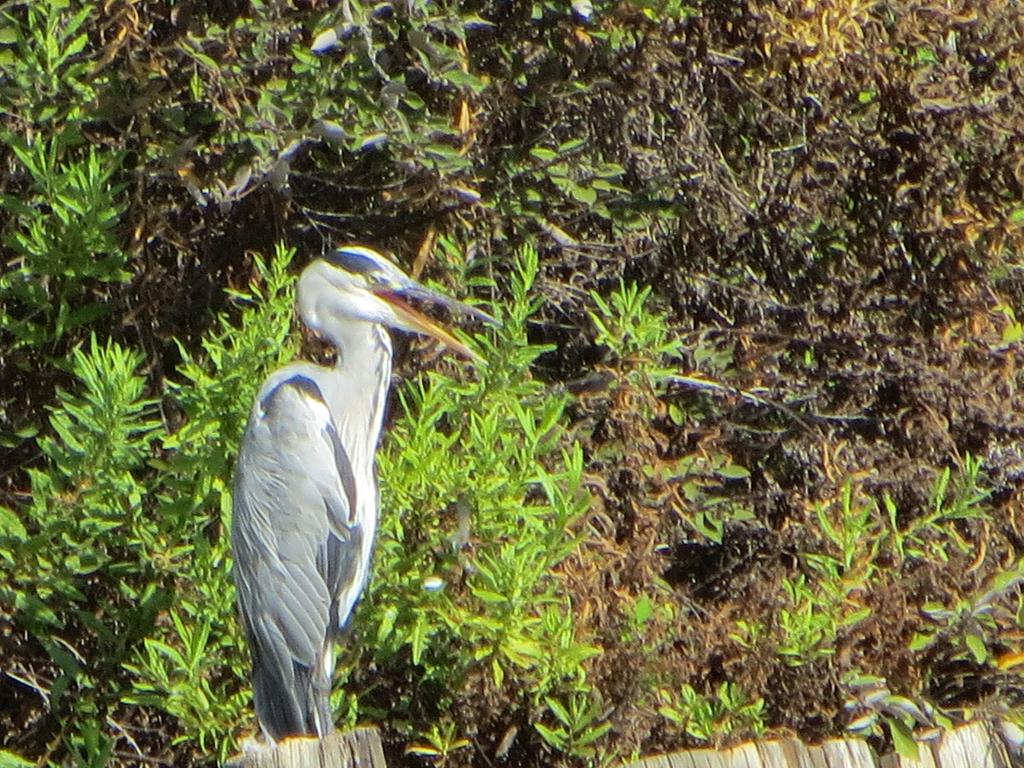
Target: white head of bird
x,y
358,284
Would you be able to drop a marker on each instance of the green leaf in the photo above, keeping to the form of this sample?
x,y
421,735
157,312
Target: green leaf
x,y
920,641
488,596
418,638
554,738
86,315
643,609
734,472
586,195
593,734
1013,333
448,155
671,714
558,710
855,618
76,46
977,648
466,80
10,525
11,760
902,739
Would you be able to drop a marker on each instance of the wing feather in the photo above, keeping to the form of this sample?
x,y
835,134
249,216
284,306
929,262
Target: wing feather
x,y
295,541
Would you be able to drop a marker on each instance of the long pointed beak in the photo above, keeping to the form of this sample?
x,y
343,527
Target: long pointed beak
x,y
416,321
453,305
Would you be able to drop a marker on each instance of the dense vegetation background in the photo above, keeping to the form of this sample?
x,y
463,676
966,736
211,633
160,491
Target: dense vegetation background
x,y
746,456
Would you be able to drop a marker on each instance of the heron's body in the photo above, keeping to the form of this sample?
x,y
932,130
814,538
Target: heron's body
x,y
306,517
305,492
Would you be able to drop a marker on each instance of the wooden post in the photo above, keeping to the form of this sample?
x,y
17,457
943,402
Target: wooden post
x,y
358,748
975,745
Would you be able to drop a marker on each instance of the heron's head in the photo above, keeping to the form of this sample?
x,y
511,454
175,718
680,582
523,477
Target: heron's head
x,y
355,283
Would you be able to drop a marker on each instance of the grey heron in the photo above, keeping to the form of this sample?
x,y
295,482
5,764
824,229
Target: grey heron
x,y
305,499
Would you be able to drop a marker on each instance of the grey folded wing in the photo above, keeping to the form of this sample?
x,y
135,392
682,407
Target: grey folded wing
x,y
294,539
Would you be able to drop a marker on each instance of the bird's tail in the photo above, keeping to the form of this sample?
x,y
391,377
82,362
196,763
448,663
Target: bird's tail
x,y
293,702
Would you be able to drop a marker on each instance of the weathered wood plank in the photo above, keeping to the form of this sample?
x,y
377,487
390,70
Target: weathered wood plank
x,y
744,756
848,753
358,748
976,745
786,753
817,757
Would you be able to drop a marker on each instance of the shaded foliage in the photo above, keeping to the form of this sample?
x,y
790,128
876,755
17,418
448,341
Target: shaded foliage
x,y
746,456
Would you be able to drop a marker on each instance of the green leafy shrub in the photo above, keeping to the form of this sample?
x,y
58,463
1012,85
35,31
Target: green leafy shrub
x,y
195,667
710,718
479,507
840,263
63,233
77,573
64,208
47,78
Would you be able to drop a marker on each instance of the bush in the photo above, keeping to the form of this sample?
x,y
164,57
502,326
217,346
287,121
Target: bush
x,y
752,415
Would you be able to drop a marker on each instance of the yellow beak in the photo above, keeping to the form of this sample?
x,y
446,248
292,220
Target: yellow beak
x,y
413,320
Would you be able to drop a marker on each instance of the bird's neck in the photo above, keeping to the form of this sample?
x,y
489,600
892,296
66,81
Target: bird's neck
x,y
362,376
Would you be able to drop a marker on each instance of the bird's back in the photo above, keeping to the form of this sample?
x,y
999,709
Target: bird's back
x,y
296,546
